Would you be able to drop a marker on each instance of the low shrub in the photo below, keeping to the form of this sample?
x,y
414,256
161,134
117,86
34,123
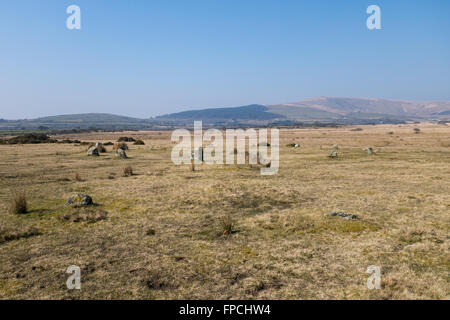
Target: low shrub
x,y
139,143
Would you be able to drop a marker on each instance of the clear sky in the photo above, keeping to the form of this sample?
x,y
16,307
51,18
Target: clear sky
x,y
145,57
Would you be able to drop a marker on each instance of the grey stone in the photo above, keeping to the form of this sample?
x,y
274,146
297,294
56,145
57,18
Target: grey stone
x,y
369,151
93,151
79,200
197,155
343,214
334,152
121,153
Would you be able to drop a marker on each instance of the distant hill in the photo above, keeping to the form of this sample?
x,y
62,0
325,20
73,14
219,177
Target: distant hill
x,y
346,106
317,110
77,121
323,109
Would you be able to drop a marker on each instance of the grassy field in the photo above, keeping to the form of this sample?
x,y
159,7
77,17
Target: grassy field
x,y
160,233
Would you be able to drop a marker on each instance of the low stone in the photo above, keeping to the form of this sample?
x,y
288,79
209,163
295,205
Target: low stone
x,y
333,154
343,214
79,200
369,151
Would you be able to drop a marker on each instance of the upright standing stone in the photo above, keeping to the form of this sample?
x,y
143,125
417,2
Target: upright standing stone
x,y
93,151
334,152
197,155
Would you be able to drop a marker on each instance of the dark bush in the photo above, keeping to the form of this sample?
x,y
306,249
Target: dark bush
x,y
31,138
139,143
126,139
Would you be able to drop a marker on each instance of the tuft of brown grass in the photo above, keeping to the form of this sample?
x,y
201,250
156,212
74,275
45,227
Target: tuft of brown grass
x,y
192,166
227,225
77,177
18,203
127,171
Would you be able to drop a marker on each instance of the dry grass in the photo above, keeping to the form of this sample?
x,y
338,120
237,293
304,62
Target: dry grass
x,y
158,235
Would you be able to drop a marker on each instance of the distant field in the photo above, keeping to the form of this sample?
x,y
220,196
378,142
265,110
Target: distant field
x,y
159,234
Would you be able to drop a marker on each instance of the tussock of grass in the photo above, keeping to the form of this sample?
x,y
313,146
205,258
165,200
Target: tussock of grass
x,y
227,225
19,203
127,171
77,177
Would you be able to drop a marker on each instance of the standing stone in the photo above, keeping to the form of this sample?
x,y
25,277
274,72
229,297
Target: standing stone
x,y
120,153
197,155
370,151
93,151
334,152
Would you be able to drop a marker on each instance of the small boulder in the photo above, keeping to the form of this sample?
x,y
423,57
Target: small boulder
x,y
334,152
93,151
370,151
79,200
120,153
343,214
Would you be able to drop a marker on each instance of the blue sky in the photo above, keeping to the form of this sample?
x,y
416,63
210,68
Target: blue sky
x,y
145,58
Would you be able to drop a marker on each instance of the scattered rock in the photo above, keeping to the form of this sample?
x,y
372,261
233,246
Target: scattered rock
x,y
79,200
344,215
120,153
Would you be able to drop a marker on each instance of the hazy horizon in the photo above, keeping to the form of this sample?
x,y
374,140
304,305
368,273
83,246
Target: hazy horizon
x,y
146,59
